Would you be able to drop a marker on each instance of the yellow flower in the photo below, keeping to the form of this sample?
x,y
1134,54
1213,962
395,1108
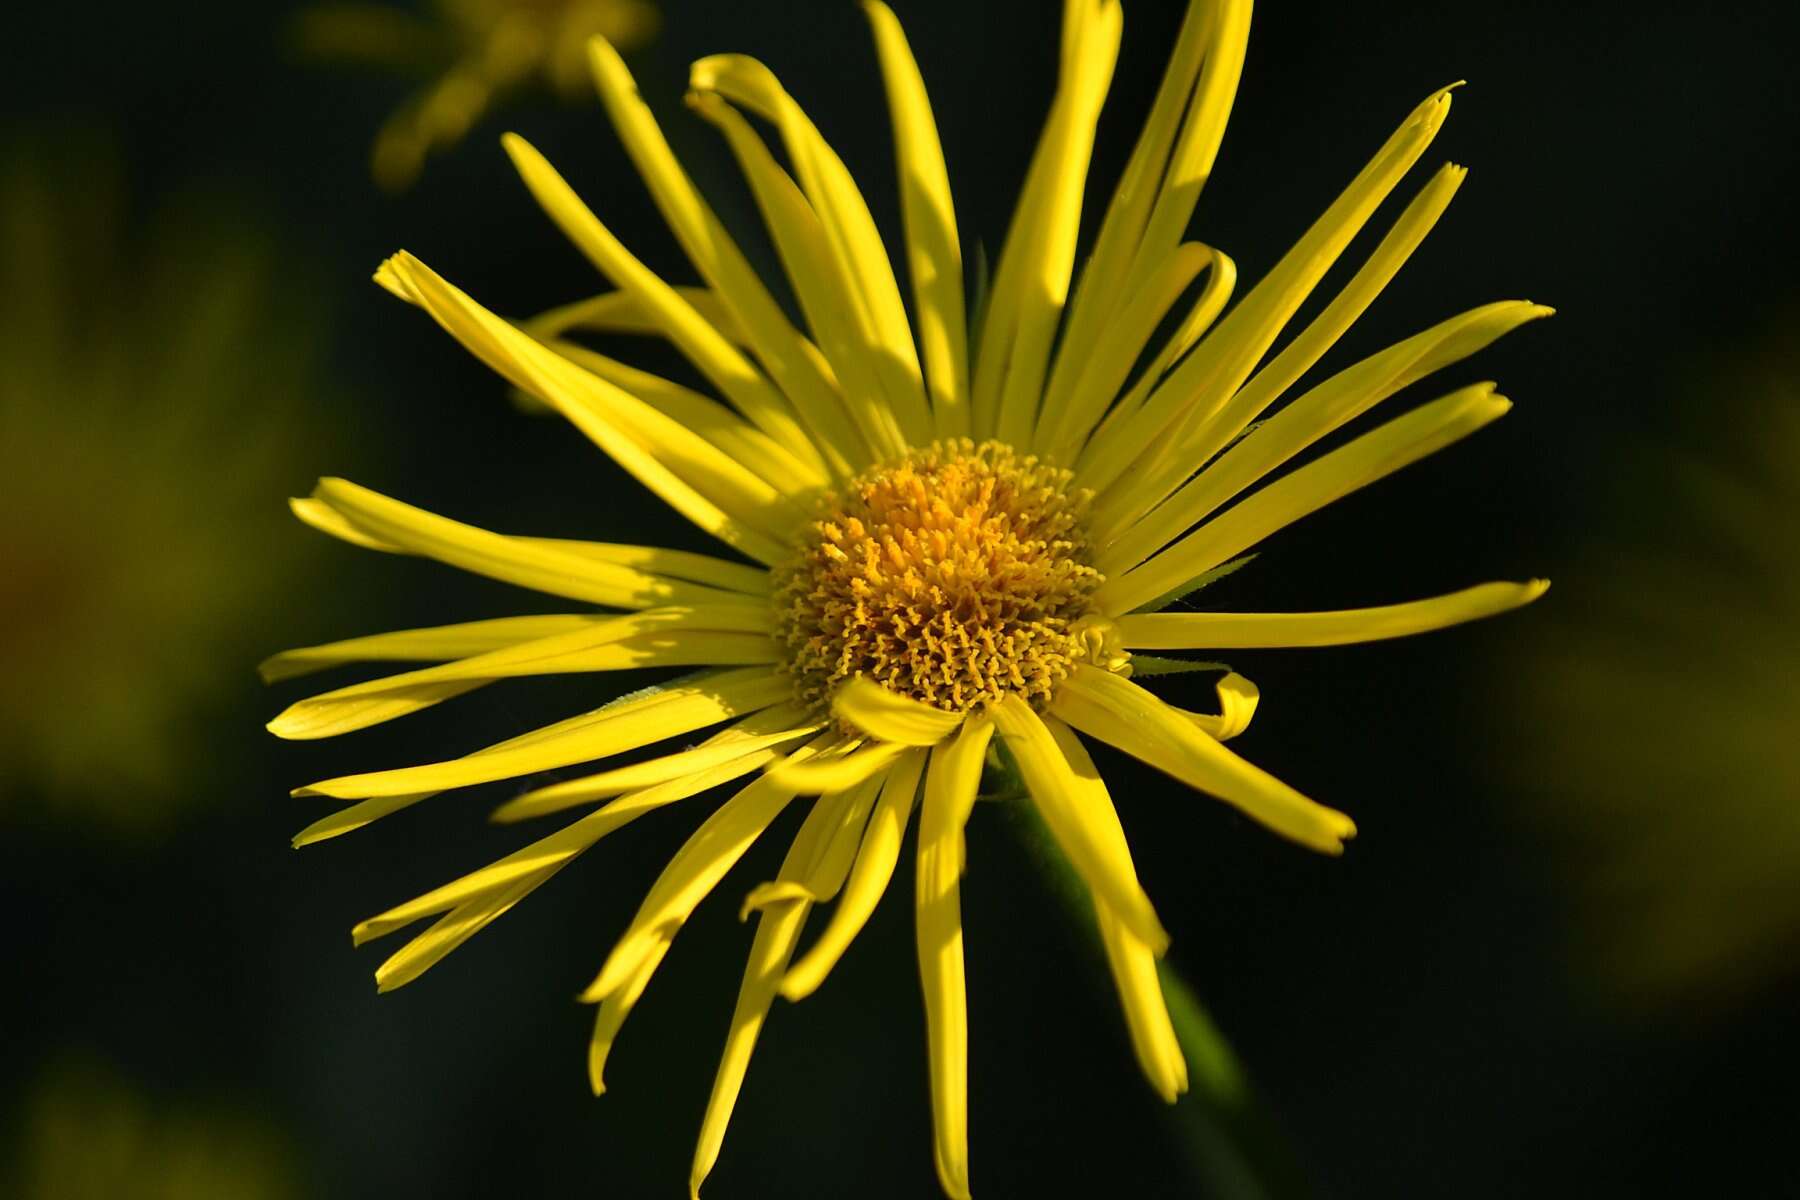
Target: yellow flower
x,y
957,539
478,51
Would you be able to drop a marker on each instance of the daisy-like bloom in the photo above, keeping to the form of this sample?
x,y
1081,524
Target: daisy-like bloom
x,y
476,51
949,541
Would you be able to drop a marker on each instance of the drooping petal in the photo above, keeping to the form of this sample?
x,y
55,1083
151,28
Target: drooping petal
x,y
1080,816
695,870
1238,631
887,715
1399,443
777,933
1131,957
1122,714
835,774
868,879
950,788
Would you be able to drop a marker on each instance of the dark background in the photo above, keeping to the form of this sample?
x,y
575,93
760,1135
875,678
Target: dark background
x,y
1416,1016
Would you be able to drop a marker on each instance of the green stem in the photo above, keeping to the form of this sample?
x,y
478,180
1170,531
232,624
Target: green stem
x,y
1228,1137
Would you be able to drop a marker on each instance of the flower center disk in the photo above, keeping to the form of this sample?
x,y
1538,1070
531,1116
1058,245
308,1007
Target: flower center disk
x,y
959,573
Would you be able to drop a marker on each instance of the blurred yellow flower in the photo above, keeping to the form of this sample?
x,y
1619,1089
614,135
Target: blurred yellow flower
x,y
85,1133
953,541
475,51
1666,702
149,386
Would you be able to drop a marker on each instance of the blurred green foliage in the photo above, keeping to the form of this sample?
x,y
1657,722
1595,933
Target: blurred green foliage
x,y
1663,712
154,395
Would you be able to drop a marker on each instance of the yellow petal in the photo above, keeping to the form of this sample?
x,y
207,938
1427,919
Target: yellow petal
x,y
1236,631
777,933
610,1016
1122,714
1131,958
1325,408
1218,366
423,645
1399,443
748,389
451,931
817,776
605,731
891,717
1101,291
761,731
849,228
868,879
620,312
950,788
548,855
825,292
1079,814
355,816
843,820
934,253
731,578
1238,698
510,560
1032,283
688,473
1081,391
695,870
723,635
705,416
708,245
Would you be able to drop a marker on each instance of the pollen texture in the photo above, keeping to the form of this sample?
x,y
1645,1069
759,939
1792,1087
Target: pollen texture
x,y
958,573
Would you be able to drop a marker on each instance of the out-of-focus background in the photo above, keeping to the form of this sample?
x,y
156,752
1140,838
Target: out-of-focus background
x,y
1560,958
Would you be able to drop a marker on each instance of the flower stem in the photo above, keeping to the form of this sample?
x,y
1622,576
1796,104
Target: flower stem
x,y
1231,1142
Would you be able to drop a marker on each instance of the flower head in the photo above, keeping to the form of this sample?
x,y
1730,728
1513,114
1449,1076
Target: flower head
x,y
961,537
477,51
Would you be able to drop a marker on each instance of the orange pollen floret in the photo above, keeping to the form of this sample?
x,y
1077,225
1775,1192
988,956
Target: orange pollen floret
x,y
959,573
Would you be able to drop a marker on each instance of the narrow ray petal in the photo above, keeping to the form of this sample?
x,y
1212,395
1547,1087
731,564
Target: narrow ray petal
x,y
828,774
708,245
605,731
423,645
1079,815
891,717
1210,375
1122,714
748,389
950,788
1399,443
1131,958
868,879
934,252
1129,537
761,731
1233,631
511,560
695,870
